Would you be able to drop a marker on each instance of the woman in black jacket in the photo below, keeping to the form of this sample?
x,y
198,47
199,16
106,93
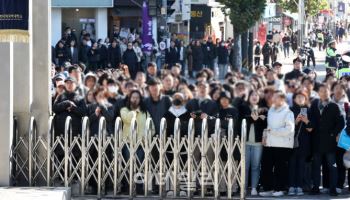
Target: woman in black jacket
x,y
302,143
197,56
101,108
94,57
255,117
61,53
130,59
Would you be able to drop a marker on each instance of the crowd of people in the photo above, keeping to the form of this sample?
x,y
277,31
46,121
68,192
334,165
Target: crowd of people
x,y
293,120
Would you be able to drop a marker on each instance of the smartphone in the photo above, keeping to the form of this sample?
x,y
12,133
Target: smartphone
x,y
303,111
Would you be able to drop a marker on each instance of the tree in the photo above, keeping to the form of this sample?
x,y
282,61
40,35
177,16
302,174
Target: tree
x,y
243,15
312,7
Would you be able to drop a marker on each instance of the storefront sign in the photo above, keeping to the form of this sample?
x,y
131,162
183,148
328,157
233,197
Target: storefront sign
x,y
82,3
14,21
147,44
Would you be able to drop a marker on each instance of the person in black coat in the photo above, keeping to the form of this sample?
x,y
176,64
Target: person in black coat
x,y
296,72
130,59
73,53
209,54
226,111
302,143
101,108
198,56
114,55
266,52
172,55
203,107
94,57
177,110
83,52
61,53
103,50
328,122
69,104
222,53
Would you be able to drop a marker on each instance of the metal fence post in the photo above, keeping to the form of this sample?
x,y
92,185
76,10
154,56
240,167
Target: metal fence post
x,y
217,157
133,133
162,150
30,150
203,155
49,135
148,137
67,128
177,129
243,148
101,131
117,132
190,133
85,129
229,158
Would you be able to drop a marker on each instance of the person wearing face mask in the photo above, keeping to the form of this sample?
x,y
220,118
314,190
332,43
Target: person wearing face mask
x,y
222,53
101,108
177,110
112,91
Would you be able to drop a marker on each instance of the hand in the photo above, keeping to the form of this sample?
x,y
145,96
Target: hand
x,y
254,116
298,119
305,119
72,104
204,116
98,111
262,117
193,115
337,138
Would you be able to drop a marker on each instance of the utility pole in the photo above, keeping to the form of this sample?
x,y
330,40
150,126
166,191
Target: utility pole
x,y
301,9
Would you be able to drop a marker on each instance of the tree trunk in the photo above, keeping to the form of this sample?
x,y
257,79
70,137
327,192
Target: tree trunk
x,y
250,51
244,49
237,53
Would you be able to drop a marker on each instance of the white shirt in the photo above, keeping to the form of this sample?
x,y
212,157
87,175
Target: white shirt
x,y
72,50
181,53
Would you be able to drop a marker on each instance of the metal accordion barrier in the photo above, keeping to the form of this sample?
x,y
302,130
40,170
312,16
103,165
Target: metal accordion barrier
x,y
206,166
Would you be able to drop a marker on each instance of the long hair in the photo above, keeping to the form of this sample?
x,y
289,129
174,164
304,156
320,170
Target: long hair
x,y
142,104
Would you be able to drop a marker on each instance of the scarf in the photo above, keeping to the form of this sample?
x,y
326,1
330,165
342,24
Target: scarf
x,y
177,112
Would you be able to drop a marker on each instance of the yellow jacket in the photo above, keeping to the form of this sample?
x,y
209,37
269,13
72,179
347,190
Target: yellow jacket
x,y
141,117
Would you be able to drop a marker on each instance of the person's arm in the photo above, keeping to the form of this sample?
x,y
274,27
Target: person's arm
x,y
288,127
60,105
107,113
339,122
80,109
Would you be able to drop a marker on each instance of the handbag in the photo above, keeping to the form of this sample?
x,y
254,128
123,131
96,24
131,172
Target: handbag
x,y
344,140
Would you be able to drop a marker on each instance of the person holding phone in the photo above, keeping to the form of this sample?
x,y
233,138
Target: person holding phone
x,y
302,143
256,123
278,141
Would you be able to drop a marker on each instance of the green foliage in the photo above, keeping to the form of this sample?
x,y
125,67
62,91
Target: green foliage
x,y
243,13
312,7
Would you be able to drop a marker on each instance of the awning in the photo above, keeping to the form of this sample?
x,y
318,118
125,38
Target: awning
x,y
294,16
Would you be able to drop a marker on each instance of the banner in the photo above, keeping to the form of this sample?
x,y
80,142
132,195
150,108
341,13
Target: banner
x,y
262,33
14,20
147,41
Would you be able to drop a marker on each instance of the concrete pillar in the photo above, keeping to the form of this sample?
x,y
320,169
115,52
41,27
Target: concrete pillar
x,y
101,16
155,29
56,29
41,50
6,110
22,86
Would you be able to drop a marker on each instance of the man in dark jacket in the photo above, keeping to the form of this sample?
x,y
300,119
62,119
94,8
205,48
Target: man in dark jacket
x,y
222,60
209,52
130,59
328,122
157,104
172,55
266,52
203,107
296,72
83,52
70,103
114,55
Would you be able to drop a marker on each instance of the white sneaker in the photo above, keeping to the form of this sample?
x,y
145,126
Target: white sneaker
x,y
170,193
183,194
254,192
338,190
278,194
299,191
324,190
291,191
266,194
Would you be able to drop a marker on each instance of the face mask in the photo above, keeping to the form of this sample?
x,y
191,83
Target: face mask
x,y
68,32
177,102
113,89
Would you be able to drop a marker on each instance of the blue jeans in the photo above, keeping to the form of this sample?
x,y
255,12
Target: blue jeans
x,y
332,167
222,71
253,159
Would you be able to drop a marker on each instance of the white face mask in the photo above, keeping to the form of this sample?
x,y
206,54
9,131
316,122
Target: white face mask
x,y
113,89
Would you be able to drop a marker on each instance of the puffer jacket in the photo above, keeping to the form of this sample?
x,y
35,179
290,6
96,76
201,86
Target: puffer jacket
x,y
281,124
